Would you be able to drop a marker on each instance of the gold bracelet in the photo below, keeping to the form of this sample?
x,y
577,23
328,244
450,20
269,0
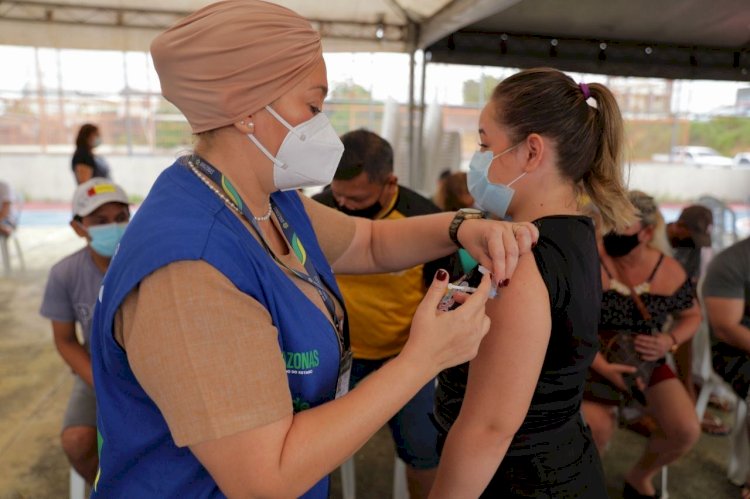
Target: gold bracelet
x,y
674,340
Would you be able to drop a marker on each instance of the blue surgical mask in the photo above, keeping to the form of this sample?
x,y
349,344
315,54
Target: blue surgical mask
x,y
494,198
105,238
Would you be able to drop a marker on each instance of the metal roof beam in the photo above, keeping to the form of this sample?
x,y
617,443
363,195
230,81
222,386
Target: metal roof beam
x,y
159,19
610,57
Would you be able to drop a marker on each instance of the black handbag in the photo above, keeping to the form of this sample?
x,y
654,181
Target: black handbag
x,y
619,348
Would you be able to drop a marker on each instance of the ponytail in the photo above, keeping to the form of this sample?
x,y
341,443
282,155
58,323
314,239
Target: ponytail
x,y
589,139
604,182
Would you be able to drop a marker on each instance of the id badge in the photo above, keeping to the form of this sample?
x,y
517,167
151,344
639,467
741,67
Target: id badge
x,y
345,371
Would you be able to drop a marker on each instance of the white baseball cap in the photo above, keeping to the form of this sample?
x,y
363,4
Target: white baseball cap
x,y
94,193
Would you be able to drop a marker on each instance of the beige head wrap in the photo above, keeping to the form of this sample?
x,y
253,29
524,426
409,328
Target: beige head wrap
x,y
232,58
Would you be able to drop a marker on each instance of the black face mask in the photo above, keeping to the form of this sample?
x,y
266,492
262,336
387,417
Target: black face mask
x,y
682,242
619,245
368,212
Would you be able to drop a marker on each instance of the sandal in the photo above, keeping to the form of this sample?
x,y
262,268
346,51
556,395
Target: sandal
x,y
720,403
630,492
645,425
713,425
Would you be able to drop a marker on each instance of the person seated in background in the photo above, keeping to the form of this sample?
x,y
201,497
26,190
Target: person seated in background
x,y
439,185
690,238
100,215
454,193
726,297
86,165
8,216
636,261
381,306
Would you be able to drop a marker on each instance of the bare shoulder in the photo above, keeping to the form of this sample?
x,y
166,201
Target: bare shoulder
x,y
671,275
525,294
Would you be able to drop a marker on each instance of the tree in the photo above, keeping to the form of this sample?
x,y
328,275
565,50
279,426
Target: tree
x,y
471,90
348,90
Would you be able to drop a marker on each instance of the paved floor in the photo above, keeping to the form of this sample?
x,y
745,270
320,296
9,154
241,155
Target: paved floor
x,y
34,386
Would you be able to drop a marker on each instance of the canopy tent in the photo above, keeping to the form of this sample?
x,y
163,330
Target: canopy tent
x,y
346,25
707,39
686,39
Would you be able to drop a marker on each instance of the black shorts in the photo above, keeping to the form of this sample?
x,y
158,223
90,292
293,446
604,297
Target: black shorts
x,y
557,464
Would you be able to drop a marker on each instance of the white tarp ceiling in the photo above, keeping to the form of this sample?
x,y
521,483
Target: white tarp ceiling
x,y
667,38
346,25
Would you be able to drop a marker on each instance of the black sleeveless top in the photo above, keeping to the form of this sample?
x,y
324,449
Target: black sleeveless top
x,y
99,166
620,313
567,259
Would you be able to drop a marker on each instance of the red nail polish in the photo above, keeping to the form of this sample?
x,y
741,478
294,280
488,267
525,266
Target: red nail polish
x,y
442,275
506,282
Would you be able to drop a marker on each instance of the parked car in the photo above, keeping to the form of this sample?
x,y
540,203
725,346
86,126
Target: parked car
x,y
695,155
742,159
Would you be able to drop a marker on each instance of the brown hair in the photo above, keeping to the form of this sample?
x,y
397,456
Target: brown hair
x,y
84,136
589,140
452,192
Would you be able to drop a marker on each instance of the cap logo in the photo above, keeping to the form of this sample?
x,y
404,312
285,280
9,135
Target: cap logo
x,y
100,189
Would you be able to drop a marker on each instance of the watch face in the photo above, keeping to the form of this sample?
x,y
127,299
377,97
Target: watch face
x,y
472,212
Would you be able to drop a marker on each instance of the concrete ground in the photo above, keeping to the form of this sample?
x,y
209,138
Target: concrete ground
x,y
34,386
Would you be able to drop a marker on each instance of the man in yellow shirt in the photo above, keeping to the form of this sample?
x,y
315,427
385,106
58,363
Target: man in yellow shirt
x,y
381,306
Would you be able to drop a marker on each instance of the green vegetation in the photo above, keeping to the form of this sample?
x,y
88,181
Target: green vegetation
x,y
350,106
172,129
471,91
728,135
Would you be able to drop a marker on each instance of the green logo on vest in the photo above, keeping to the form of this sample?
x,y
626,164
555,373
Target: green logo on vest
x,y
300,405
301,362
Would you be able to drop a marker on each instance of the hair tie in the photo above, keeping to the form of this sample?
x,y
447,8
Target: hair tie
x,y
585,89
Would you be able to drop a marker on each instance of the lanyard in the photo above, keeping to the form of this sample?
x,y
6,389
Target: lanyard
x,y
312,276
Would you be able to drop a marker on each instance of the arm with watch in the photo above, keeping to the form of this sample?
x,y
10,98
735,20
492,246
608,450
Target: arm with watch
x,y
656,346
391,245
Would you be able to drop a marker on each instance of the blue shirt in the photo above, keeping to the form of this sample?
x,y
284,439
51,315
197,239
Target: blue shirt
x,y
181,219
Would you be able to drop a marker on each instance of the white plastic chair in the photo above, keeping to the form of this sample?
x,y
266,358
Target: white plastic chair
x,y
739,448
711,383
703,371
349,480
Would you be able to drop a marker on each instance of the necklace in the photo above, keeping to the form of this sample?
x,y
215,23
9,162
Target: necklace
x,y
215,190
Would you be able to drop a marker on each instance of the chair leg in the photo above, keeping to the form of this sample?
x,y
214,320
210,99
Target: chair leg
x,y
664,489
5,254
348,479
77,485
19,252
703,397
400,487
739,453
